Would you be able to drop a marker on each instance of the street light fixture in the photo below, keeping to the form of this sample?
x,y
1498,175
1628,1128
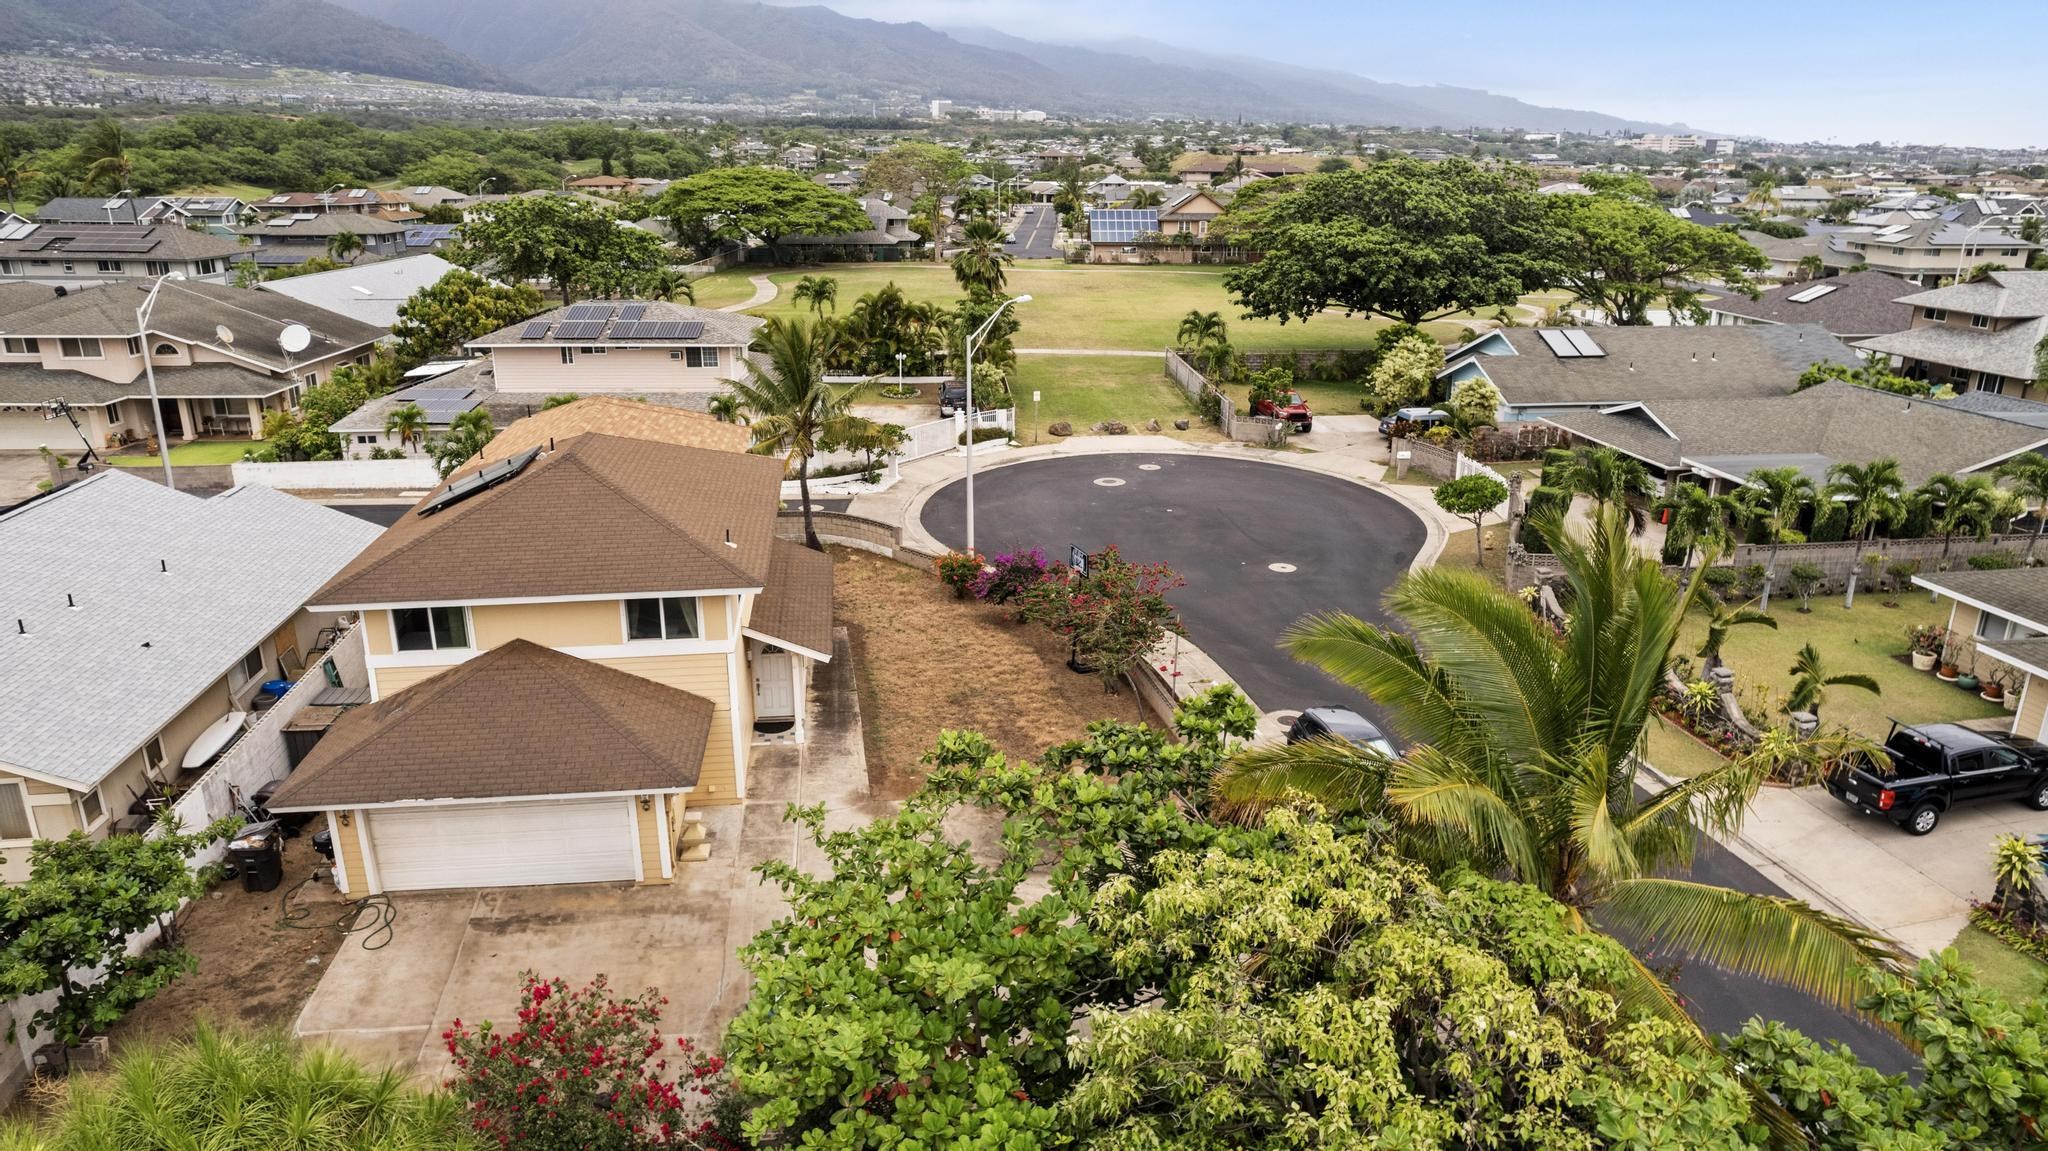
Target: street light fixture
x,y
971,341
486,182
1963,253
899,373
156,404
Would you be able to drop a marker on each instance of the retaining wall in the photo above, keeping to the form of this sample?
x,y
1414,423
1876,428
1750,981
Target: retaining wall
x,y
336,475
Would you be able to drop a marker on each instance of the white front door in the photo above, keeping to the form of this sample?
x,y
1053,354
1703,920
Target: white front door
x,y
774,685
503,844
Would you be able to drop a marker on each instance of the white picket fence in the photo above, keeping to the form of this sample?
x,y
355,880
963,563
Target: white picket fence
x,y
1467,466
944,435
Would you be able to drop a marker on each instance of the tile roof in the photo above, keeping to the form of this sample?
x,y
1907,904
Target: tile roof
x,y
599,515
1646,363
2018,592
721,329
192,311
615,416
517,720
171,590
796,607
1835,421
1859,304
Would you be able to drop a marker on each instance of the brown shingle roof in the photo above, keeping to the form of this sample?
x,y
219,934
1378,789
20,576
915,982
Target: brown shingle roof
x,y
600,515
796,607
613,416
518,720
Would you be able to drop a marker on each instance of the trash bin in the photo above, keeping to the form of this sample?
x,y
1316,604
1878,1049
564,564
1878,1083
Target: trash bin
x,y
257,851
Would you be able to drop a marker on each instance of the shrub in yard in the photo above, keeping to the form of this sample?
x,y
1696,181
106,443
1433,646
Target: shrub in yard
x,y
1997,560
1112,615
1719,580
1009,575
584,1068
957,571
1805,578
984,435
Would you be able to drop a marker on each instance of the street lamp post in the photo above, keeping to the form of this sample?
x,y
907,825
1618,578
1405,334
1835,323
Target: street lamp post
x,y
156,404
971,341
1963,253
486,182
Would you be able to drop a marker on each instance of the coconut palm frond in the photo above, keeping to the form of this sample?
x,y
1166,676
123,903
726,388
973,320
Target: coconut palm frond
x,y
1340,775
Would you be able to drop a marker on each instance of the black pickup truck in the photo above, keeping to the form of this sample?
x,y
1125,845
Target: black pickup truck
x,y
1935,766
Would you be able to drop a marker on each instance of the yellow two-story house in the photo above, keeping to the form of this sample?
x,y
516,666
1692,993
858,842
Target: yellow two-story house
x,y
586,625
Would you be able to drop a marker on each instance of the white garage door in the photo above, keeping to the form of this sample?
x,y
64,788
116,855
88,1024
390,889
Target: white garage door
x,y
503,844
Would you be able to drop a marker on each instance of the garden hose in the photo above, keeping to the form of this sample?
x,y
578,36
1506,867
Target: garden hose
x,y
373,916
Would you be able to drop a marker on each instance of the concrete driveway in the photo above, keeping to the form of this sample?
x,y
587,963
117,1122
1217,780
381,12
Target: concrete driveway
x,y
20,472
459,954
1915,888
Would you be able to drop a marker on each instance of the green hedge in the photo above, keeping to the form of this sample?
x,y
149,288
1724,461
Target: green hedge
x,y
1541,501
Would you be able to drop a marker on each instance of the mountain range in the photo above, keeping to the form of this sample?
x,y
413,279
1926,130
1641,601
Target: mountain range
x,y
740,50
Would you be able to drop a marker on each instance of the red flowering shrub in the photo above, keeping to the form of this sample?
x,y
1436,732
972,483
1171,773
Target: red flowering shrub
x,y
586,1070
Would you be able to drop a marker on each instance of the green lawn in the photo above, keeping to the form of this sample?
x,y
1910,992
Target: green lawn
x,y
193,454
1676,753
2017,975
722,288
1085,390
1097,307
1863,639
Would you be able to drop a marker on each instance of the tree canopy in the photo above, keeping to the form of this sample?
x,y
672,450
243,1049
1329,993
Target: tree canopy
x,y
1624,256
460,306
765,204
1401,238
577,248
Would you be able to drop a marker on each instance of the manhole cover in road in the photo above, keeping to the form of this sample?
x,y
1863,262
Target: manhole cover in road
x,y
1283,569
1148,467
1109,482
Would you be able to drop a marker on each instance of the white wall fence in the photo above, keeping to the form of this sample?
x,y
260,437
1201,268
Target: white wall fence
x,y
416,472
921,440
1467,466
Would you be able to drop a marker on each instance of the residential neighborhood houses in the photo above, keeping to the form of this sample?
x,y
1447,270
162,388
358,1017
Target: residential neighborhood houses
x,y
926,595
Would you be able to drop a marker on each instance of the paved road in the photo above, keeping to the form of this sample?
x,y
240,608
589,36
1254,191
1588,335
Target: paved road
x,y
1037,226
1220,522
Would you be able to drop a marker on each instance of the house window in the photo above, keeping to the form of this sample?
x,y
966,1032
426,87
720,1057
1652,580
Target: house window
x,y
114,412
110,265
207,267
90,809
223,406
153,754
79,348
674,618
157,267
251,667
135,345
22,346
1935,314
568,355
1898,251
593,351
14,820
366,438
2008,251
1980,321
700,357
166,350
1997,627
431,628
1986,382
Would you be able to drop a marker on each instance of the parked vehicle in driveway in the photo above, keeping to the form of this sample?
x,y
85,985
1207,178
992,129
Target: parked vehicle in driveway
x,y
952,398
1340,723
1419,419
1288,406
1931,768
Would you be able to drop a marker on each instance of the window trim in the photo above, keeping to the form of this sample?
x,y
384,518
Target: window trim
x,y
433,636
99,349
113,413
90,824
240,675
696,614
21,346
703,357
1981,323
568,354
28,810
1934,315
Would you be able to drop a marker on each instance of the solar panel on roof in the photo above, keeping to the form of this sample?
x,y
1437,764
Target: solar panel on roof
x,y
580,330
535,331
489,476
689,330
1558,345
1583,343
1809,295
589,312
446,411
632,311
1121,225
429,395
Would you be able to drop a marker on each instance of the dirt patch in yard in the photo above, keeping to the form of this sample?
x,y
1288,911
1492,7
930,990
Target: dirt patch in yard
x,y
928,662
253,972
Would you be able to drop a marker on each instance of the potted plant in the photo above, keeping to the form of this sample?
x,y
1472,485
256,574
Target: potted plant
x,y
1925,644
1946,671
1968,681
1994,686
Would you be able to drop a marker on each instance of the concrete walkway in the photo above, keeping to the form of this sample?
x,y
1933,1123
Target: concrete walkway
x,y
765,291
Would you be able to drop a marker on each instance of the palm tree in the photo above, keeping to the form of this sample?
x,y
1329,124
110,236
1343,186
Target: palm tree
x,y
466,437
1763,193
1775,497
1611,479
230,1092
793,409
105,153
1810,682
1721,619
408,422
979,265
669,284
1198,328
344,246
725,408
1703,522
2028,475
1145,198
1958,505
820,292
15,174
1876,494
1522,762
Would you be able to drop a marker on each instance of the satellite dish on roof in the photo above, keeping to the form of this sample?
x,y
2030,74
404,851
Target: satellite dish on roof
x,y
295,338
221,333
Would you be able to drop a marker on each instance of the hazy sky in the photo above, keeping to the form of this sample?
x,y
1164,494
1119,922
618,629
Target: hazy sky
x,y
1789,71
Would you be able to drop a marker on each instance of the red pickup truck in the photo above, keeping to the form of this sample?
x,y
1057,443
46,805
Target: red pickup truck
x,y
1290,407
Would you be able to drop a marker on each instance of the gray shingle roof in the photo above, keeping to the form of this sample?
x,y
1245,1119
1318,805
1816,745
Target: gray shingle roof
x,y
1835,421
118,242
30,384
85,687
192,311
370,293
2001,295
721,329
1645,363
2021,593
2008,353
1860,304
2004,407
94,210
325,224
